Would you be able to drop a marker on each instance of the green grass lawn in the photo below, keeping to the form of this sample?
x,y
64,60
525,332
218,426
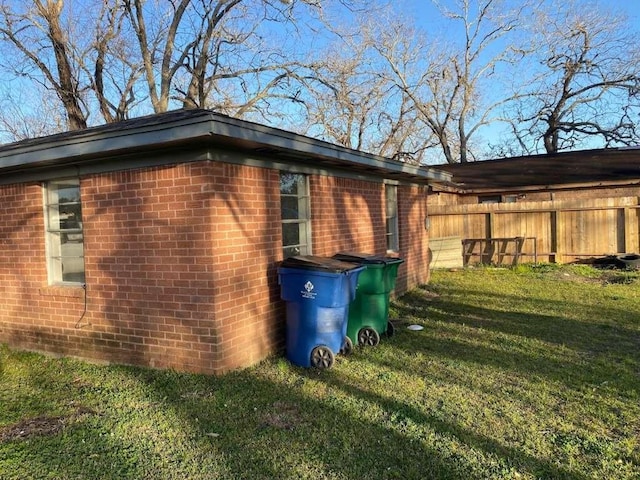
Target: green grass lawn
x,y
531,373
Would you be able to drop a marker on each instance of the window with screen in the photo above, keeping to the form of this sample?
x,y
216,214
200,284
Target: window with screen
x,y
65,240
294,206
391,197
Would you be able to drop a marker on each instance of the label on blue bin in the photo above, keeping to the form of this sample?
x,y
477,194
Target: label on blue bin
x,y
308,291
331,320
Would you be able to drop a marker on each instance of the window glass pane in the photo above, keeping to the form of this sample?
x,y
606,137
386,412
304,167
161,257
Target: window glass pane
x,y
294,209
391,196
291,251
64,191
289,207
72,270
290,234
69,248
392,234
291,183
490,199
391,200
54,218
68,194
55,267
55,244
65,247
70,216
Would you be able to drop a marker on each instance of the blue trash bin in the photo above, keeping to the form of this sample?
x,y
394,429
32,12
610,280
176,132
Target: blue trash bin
x,y
317,292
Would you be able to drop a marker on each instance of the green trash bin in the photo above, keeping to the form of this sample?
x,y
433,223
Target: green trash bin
x,y
368,316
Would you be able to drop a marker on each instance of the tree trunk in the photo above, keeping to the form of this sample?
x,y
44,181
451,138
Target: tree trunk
x,y
67,88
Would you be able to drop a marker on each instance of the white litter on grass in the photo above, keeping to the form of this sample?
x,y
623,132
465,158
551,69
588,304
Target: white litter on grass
x,y
415,328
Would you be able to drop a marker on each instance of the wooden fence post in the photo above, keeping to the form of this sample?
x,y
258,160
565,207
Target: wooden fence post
x,y
631,230
557,233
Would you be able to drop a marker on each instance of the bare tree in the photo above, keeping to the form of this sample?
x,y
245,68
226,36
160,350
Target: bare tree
x,y
449,83
40,119
45,53
127,57
350,101
116,69
587,89
223,62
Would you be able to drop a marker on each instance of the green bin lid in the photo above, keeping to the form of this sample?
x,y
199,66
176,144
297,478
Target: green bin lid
x,y
324,264
366,258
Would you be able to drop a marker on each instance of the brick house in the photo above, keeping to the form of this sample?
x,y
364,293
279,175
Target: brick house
x,y
156,241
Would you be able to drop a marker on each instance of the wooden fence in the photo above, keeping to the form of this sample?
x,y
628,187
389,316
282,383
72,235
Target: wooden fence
x,y
561,231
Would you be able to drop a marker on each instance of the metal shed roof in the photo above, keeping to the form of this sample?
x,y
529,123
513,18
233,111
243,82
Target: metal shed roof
x,y
194,127
604,167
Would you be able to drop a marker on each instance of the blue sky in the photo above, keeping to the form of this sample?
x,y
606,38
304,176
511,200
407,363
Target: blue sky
x,y
425,14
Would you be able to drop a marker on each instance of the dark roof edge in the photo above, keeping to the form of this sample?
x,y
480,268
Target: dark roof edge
x,y
577,155
185,126
506,190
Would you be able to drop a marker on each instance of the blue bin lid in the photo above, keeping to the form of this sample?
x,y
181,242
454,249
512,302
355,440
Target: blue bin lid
x,y
366,258
323,264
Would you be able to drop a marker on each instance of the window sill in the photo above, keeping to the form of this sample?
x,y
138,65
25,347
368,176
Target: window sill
x,y
68,291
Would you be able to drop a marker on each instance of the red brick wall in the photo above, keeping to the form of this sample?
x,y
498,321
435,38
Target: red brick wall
x,y
349,215
189,253
23,317
149,266
181,263
414,238
248,242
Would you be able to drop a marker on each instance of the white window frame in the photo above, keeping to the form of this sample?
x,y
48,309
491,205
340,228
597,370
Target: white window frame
x,y
303,219
64,243
391,217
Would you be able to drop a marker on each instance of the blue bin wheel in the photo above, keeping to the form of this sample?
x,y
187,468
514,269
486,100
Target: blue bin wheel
x,y
368,336
347,346
390,329
322,357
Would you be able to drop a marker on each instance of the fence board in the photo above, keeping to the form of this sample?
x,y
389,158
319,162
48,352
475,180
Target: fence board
x,y
566,230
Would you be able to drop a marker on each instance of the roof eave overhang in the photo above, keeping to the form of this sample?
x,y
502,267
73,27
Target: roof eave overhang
x,y
505,190
200,127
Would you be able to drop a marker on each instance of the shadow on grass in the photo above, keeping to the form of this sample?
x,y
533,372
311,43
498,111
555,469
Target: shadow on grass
x,y
267,423
227,427
574,353
592,336
246,426
610,330
507,456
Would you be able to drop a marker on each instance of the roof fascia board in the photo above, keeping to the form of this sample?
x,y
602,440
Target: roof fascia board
x,y
168,157
289,141
100,142
538,188
106,165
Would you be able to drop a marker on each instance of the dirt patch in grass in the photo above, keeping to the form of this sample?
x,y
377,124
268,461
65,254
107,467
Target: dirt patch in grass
x,y
587,274
43,425
285,416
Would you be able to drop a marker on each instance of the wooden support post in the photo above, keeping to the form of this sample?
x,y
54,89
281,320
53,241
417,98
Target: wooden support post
x,y
631,230
557,235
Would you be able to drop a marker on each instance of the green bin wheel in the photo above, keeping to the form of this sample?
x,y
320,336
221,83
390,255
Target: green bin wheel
x,y
368,336
322,357
347,346
390,329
